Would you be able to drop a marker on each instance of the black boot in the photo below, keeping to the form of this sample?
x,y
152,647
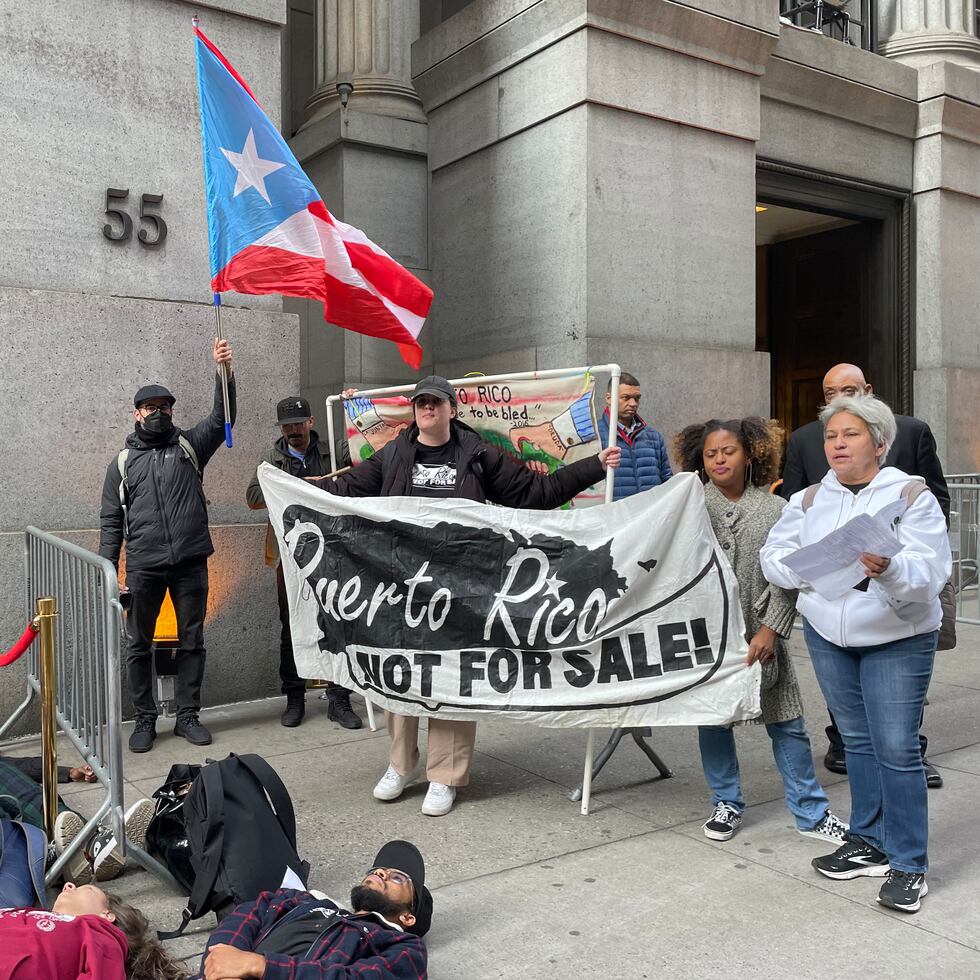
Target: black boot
x,y
292,717
339,708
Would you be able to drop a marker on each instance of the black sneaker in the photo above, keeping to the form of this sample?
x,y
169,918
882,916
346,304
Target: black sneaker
x,y
835,761
723,822
339,708
190,727
295,710
933,779
853,859
144,734
903,891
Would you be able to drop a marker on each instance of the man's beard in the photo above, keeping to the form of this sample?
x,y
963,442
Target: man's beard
x,y
364,899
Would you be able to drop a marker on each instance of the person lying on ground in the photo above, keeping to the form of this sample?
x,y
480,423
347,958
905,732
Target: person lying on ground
x,y
101,857
87,933
33,767
302,935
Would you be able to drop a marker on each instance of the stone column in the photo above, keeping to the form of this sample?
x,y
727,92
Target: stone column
x,y
592,193
366,43
920,32
368,162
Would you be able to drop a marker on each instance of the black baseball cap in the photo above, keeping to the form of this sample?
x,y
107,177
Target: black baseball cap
x,y
405,857
434,385
152,391
292,409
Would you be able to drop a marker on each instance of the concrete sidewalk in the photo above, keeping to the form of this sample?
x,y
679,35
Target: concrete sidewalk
x,y
524,886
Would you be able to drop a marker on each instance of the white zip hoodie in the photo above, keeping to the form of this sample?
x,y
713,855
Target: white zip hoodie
x,y
904,600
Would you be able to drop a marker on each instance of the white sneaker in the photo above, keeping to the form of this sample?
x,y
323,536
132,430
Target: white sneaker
x,y
392,784
438,800
67,826
831,828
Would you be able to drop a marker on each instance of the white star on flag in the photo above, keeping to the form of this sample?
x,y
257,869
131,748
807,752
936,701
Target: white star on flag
x,y
252,169
552,585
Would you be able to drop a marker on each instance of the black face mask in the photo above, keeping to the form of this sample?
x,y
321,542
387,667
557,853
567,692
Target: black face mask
x,y
157,424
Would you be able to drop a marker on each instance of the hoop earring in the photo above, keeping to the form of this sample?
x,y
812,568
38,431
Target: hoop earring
x,y
748,475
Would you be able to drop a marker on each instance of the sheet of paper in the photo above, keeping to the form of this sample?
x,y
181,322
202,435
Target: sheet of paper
x,y
832,565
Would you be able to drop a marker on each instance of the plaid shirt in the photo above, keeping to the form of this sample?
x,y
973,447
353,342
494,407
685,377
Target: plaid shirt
x,y
20,794
360,946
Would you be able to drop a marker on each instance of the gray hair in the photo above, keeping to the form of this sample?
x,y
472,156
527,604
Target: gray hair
x,y
872,411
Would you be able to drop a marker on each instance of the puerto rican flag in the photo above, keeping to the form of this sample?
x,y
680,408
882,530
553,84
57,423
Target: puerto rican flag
x,y
271,233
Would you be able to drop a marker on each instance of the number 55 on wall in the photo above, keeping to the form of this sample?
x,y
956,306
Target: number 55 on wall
x,y
123,232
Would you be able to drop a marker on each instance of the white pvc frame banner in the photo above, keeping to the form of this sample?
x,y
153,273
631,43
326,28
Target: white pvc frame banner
x,y
546,416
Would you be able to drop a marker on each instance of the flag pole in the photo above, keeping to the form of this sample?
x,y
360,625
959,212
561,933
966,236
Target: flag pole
x,y
223,372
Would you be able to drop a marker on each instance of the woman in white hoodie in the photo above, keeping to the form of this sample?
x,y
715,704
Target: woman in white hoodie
x,y
872,643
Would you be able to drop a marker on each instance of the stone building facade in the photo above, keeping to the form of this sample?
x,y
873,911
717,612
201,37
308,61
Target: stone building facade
x,y
99,96
720,199
723,201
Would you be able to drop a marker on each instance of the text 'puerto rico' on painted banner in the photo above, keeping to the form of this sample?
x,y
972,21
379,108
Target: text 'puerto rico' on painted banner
x,y
550,420
623,614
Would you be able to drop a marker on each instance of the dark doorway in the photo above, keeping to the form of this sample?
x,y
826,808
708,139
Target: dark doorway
x,y
833,284
818,315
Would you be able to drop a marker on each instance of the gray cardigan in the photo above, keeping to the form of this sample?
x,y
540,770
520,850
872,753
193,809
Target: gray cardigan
x,y
742,528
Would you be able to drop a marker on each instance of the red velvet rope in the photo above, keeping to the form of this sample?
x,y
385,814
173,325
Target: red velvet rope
x,y
20,647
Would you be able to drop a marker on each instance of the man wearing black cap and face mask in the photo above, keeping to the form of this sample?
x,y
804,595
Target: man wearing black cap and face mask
x,y
438,456
153,499
300,935
298,452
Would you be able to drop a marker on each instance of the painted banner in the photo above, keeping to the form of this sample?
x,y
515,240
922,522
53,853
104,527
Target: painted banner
x,y
550,420
624,614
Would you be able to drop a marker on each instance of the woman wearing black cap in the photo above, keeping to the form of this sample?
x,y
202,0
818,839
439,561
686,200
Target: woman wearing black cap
x,y
438,456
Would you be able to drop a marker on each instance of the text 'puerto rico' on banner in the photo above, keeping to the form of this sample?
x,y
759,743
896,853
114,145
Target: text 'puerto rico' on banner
x,y
623,614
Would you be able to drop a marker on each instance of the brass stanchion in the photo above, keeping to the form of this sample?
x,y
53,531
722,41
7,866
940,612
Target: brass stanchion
x,y
47,612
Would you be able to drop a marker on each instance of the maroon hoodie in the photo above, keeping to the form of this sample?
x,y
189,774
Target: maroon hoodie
x,y
36,944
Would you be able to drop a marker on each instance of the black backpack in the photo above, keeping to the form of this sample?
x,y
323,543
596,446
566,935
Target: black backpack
x,y
226,831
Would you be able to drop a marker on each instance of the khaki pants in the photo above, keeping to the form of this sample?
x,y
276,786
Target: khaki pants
x,y
450,748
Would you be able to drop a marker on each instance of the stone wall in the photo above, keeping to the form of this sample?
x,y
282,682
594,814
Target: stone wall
x,y
105,95
592,193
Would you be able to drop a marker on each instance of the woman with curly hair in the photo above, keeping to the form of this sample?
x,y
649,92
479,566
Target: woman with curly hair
x,y
736,461
87,934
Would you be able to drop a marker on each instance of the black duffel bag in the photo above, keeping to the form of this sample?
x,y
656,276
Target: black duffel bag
x,y
166,837
227,832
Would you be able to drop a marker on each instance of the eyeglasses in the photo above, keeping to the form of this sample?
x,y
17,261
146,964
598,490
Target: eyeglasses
x,y
848,391
150,409
398,877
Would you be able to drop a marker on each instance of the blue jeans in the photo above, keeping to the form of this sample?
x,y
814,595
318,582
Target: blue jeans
x,y
876,694
791,749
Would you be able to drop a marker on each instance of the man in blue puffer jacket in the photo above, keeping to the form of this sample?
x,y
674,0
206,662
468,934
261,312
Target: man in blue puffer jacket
x,y
645,462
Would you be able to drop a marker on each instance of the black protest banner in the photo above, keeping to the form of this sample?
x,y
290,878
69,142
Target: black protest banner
x,y
623,614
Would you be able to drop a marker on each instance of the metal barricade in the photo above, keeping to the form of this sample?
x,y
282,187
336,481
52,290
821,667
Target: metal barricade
x,y
88,698
964,521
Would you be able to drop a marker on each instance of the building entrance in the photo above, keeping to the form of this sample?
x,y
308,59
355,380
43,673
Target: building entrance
x,y
829,288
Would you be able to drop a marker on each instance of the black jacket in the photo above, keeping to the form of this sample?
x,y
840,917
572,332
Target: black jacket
x,y
315,462
914,453
168,512
482,473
